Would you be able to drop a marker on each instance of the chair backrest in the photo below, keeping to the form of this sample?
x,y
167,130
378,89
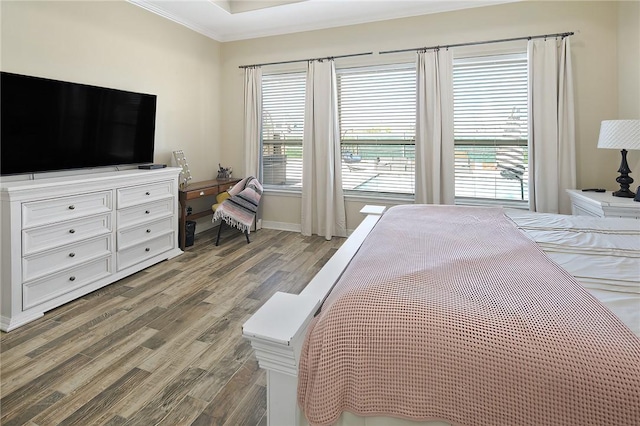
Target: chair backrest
x,y
251,194
256,186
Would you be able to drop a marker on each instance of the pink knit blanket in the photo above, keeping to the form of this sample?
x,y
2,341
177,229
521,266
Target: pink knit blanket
x,y
452,314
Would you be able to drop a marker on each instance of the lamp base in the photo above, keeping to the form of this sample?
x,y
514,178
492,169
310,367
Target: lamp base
x,y
624,179
625,193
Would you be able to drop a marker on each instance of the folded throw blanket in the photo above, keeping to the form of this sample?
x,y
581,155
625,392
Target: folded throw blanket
x,y
240,208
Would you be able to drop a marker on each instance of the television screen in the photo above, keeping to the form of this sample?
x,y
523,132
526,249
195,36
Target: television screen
x,y
49,125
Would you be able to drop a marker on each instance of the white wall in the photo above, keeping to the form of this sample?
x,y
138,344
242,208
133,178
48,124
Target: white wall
x,y
629,63
595,59
629,73
117,44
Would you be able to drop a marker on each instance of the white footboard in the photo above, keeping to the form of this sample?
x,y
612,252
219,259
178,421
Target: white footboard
x,y
277,330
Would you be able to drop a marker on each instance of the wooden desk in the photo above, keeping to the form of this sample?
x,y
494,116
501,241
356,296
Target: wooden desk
x,y
196,190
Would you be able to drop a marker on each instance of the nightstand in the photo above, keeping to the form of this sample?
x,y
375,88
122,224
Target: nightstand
x,y
602,204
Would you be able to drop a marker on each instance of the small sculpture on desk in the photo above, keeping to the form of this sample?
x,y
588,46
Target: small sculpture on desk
x,y
224,173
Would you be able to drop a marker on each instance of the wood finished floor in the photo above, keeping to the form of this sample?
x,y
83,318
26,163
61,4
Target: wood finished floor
x,y
162,347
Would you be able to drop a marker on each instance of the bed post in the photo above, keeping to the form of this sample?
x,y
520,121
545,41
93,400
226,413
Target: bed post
x,y
277,330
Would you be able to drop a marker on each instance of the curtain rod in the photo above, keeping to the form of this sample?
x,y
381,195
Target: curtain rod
x,y
306,60
478,42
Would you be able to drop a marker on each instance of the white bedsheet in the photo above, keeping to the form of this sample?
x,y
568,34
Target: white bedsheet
x,y
603,254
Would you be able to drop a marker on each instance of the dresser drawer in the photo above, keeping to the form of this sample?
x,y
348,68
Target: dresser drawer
x,y
65,208
204,192
51,236
145,212
137,234
50,261
143,251
40,291
134,195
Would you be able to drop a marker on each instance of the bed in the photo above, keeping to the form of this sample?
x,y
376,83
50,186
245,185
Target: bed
x,y
564,288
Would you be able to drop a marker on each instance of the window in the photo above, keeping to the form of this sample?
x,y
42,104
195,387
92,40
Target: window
x,y
377,107
282,129
490,127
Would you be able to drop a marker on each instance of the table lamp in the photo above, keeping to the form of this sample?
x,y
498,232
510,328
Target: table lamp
x,y
623,135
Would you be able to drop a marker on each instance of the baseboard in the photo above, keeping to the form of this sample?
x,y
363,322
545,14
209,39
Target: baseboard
x,y
210,225
205,226
266,224
282,226
286,226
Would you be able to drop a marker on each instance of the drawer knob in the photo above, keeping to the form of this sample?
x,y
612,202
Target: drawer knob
x,y
147,249
148,231
72,278
72,254
72,207
201,192
147,193
72,231
147,212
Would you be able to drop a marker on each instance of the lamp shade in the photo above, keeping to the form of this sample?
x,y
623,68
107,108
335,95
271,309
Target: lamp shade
x,y
619,134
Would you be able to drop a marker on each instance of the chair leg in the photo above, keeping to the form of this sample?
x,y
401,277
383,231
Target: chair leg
x,y
246,234
219,230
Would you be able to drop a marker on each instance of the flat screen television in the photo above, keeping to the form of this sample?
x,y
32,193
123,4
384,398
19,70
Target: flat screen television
x,y
49,125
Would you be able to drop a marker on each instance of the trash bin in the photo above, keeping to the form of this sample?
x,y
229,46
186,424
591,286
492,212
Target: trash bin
x,y
189,232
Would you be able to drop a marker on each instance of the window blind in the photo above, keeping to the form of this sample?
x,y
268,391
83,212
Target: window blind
x,y
490,127
377,108
283,97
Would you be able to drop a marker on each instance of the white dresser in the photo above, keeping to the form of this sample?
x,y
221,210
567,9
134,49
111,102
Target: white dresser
x,y
64,237
602,204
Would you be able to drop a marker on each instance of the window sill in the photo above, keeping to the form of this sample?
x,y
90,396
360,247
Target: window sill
x,y
402,198
391,198
485,202
386,198
283,192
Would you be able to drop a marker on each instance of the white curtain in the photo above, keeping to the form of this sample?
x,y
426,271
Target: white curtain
x,y
252,121
434,129
552,164
323,211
